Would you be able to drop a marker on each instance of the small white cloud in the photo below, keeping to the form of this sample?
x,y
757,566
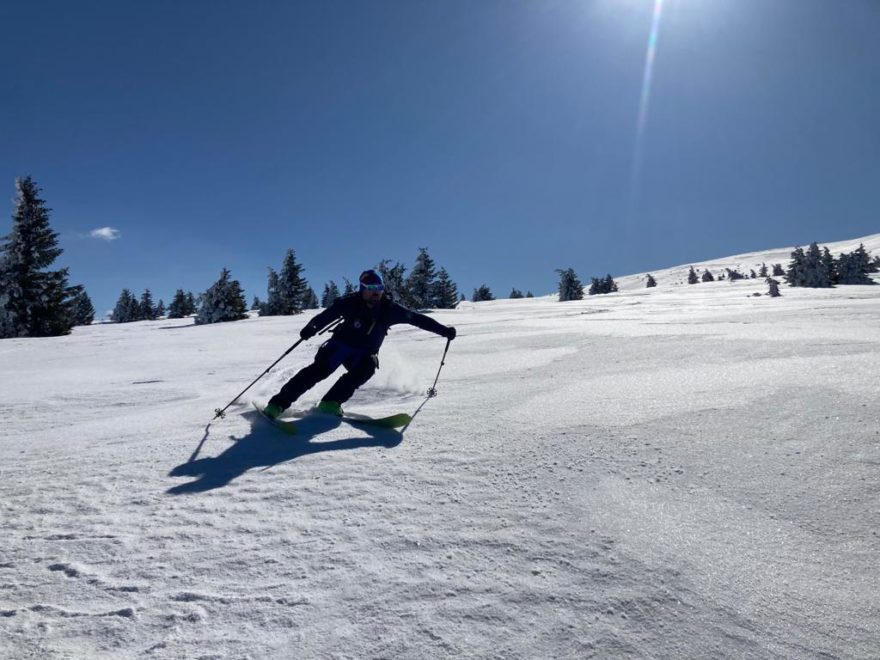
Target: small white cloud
x,y
105,233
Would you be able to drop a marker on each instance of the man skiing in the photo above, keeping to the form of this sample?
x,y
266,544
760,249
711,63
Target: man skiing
x,y
366,316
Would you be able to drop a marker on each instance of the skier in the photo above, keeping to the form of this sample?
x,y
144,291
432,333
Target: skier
x,y
366,316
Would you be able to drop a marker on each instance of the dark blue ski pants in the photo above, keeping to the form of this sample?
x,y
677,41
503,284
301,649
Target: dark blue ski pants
x,y
359,368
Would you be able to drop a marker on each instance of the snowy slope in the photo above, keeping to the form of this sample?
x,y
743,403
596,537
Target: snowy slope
x,y
686,471
744,263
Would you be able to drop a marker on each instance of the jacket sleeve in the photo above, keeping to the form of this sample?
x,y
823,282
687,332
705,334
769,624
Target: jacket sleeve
x,y
400,314
325,318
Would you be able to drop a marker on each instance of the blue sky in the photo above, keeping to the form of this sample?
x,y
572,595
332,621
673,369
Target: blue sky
x,y
502,135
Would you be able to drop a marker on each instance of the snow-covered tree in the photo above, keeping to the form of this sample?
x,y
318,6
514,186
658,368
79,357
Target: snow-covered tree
x,y
692,276
752,274
482,293
763,272
602,285
288,291
570,287
707,276
395,281
160,309
733,274
223,301
420,283
795,274
651,282
774,288
331,293
34,301
515,294
806,268
778,271
445,291
829,265
854,268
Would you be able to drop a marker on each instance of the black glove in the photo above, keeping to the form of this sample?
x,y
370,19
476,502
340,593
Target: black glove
x,y
450,332
307,332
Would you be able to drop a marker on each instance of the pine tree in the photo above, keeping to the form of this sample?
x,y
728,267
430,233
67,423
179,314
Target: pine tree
x,y
774,288
395,282
288,291
482,293
178,307
795,275
83,310
529,294
311,299
331,293
763,272
692,276
445,291
777,271
651,282
223,301
147,310
570,287
350,288
420,283
815,275
854,268
603,285
753,275
127,308
734,275
34,302
515,294
829,265
160,309
256,304
707,276
273,304
190,303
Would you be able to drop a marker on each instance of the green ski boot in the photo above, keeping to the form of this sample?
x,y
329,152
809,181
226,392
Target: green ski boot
x,y
330,407
272,411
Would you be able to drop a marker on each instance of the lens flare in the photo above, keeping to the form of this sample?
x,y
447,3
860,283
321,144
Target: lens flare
x,y
644,102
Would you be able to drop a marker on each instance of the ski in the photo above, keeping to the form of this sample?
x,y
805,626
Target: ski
x,y
388,422
285,425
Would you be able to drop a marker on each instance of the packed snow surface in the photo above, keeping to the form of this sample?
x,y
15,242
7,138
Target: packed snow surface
x,y
685,471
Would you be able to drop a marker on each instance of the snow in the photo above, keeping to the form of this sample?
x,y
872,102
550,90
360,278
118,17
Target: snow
x,y
685,471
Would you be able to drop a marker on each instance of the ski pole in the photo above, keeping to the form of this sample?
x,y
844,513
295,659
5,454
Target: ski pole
x,y
222,413
432,391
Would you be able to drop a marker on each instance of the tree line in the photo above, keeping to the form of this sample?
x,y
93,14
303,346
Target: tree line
x,y
38,302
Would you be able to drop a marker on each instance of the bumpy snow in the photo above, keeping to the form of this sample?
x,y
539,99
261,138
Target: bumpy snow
x,y
685,471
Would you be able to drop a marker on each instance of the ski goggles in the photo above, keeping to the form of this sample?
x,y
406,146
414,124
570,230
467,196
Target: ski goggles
x,y
373,287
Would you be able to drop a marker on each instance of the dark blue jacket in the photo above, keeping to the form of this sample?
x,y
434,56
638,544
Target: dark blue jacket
x,y
365,327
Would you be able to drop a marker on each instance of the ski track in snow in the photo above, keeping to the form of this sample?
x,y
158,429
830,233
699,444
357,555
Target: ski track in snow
x,y
682,472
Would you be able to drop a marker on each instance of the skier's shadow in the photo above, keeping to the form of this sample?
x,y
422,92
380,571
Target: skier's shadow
x,y
264,447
